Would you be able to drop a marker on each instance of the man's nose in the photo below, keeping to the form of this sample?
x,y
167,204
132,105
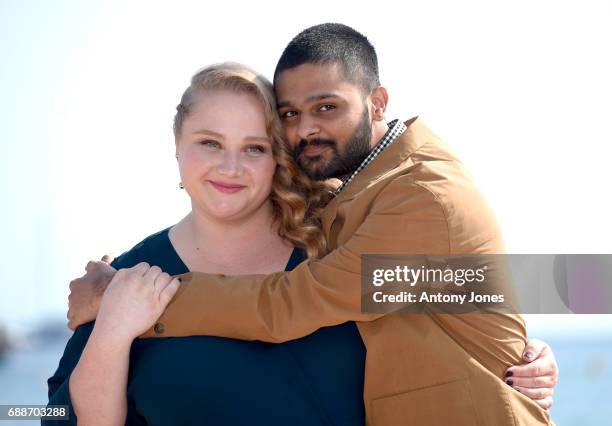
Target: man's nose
x,y
307,128
230,164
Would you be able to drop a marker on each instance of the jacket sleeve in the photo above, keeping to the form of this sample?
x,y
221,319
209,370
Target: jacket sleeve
x,y
406,218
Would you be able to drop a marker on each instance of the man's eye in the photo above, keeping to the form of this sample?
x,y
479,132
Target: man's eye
x,y
327,107
288,114
210,144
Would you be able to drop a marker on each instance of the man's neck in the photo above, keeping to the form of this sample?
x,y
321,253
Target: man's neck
x,y
379,129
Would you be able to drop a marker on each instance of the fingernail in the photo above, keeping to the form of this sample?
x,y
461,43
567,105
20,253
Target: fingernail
x,y
528,355
510,382
509,373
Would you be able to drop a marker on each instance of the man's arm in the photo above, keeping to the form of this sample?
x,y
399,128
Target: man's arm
x,y
406,218
285,306
318,293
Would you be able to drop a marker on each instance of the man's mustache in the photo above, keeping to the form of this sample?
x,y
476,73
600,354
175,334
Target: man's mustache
x,y
303,144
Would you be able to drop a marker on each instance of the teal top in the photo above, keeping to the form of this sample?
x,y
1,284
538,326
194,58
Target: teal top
x,y
315,380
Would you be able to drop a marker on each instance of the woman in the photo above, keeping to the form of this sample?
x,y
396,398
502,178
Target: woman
x,y
248,202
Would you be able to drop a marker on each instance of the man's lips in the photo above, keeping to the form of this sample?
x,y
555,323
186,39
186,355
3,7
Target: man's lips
x,y
314,150
228,188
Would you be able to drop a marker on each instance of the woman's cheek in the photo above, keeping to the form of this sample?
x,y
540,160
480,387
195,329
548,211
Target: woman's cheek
x,y
262,170
196,164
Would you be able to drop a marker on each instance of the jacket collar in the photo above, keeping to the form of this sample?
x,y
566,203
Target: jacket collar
x,y
416,134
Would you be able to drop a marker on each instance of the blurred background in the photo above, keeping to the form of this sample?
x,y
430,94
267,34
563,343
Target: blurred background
x,y
520,90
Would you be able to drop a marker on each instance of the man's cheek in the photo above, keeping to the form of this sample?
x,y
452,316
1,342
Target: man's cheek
x,y
290,137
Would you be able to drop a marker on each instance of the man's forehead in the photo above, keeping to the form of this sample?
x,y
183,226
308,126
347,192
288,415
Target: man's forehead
x,y
311,82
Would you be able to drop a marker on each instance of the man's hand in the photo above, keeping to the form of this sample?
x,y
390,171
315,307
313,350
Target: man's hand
x,y
86,292
536,379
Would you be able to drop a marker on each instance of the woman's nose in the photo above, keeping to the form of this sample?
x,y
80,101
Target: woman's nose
x,y
230,164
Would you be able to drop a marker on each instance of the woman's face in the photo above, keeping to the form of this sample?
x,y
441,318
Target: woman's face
x,y
225,155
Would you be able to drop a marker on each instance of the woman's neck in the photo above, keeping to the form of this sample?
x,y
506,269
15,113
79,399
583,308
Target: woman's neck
x,y
211,245
207,230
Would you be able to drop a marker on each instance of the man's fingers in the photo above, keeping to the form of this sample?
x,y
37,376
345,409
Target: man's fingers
x,y
534,349
94,264
168,292
107,258
532,382
545,403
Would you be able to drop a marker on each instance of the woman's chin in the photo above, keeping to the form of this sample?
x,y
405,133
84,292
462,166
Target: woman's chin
x,y
227,213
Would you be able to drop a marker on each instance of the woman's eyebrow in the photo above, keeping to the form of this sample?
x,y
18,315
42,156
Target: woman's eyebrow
x,y
220,136
208,132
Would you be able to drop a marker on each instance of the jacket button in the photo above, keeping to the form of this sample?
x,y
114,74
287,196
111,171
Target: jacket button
x,y
159,328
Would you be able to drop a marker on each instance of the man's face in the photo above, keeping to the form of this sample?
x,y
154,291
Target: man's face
x,y
325,118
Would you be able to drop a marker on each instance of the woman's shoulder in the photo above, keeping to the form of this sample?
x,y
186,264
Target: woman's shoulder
x,y
154,249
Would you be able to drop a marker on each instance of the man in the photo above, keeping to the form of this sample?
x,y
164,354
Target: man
x,y
402,191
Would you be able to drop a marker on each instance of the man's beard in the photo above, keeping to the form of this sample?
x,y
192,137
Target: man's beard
x,y
357,149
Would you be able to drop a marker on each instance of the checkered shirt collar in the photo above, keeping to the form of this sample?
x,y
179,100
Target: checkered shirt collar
x,y
396,128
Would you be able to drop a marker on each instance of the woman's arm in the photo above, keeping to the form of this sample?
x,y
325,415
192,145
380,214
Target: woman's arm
x,y
99,381
98,384
58,383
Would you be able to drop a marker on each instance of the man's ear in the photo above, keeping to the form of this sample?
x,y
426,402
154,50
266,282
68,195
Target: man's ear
x,y
379,98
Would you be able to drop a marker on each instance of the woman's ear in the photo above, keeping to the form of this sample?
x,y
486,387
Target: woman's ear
x,y
379,98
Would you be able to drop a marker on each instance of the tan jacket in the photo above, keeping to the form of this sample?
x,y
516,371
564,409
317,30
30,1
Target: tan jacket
x,y
415,197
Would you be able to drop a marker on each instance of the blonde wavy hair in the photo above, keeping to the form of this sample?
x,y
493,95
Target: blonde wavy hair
x,y
297,201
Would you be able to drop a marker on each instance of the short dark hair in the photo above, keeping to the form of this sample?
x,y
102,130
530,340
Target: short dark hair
x,y
333,43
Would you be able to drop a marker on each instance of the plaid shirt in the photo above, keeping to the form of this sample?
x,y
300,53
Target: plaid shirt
x,y
396,128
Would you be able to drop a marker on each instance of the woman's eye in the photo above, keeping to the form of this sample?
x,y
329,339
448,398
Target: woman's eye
x,y
210,144
327,107
255,149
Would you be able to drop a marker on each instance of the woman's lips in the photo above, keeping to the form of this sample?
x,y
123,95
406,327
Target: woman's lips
x,y
227,188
